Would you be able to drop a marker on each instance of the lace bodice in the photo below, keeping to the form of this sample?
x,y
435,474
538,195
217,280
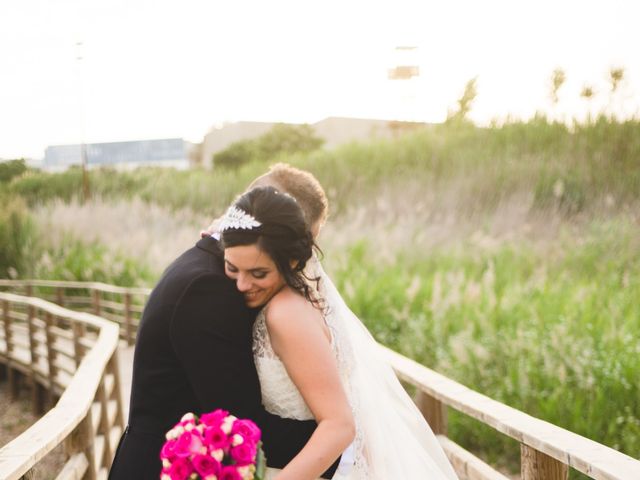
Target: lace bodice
x,y
280,396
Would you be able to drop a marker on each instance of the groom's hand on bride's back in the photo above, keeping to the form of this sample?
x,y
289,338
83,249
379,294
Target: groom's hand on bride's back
x,y
210,230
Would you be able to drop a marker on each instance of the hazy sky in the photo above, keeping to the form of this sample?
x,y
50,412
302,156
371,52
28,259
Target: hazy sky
x,y
156,69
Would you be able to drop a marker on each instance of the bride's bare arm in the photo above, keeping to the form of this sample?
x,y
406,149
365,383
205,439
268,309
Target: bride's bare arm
x,y
300,338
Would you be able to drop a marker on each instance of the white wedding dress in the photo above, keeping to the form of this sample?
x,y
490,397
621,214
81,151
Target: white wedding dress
x,y
393,440
280,396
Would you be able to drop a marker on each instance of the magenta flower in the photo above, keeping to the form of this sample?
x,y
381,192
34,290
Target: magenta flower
x,y
205,465
247,430
215,438
215,418
168,450
229,473
180,469
243,454
188,443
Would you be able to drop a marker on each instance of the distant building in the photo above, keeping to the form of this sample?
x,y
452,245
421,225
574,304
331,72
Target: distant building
x,y
334,130
170,152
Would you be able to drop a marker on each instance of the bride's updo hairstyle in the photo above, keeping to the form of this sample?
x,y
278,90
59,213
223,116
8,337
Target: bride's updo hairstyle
x,y
283,234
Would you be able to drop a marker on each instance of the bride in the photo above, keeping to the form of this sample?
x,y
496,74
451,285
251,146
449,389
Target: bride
x,y
314,357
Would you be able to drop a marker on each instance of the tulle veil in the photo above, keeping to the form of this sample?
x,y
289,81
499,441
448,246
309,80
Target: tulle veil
x,y
393,439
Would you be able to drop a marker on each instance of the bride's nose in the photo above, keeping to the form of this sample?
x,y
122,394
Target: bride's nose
x,y
243,282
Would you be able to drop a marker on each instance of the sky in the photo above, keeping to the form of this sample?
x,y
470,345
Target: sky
x,y
160,69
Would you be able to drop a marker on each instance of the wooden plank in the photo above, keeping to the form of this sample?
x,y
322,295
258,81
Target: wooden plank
x,y
105,425
536,465
51,358
467,465
434,412
128,319
75,468
98,451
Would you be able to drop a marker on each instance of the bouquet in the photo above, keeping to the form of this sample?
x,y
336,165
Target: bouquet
x,y
216,446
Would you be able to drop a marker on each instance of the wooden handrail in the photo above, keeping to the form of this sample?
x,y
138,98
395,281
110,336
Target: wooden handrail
x,y
563,446
122,312
546,450
70,420
103,287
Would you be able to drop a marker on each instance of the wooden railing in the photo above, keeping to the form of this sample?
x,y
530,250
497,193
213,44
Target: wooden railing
x,y
547,451
69,359
118,304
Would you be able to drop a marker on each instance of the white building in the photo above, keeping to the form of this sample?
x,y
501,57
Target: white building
x,y
170,152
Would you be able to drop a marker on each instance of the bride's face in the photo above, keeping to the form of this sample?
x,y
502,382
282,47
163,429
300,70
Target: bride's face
x,y
254,272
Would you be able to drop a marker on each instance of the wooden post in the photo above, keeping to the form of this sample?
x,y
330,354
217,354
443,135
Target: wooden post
x,y
96,301
78,349
36,391
60,296
114,368
81,440
536,465
12,375
434,412
128,319
104,427
51,357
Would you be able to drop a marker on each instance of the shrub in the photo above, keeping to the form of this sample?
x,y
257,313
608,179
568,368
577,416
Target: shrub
x,y
18,238
11,169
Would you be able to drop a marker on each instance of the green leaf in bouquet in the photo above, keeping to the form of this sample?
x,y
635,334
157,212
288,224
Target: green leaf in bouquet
x,y
261,463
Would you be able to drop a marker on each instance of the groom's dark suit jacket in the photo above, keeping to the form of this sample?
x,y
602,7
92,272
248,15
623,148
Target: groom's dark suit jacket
x,y
193,354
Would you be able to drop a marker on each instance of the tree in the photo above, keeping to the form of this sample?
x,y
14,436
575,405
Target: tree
x,y
464,102
558,78
12,168
588,93
236,154
282,138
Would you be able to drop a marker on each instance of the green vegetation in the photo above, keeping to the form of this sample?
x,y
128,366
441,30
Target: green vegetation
x,y
536,308
553,332
11,169
569,169
281,139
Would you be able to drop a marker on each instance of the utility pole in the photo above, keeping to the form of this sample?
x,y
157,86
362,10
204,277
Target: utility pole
x,y
86,192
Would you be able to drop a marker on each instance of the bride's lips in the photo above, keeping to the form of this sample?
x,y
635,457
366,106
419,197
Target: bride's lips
x,y
251,295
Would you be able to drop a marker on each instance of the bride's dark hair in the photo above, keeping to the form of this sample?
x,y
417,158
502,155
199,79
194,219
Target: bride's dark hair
x,y
283,234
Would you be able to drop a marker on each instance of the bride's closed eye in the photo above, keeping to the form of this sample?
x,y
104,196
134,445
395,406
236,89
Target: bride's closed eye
x,y
257,274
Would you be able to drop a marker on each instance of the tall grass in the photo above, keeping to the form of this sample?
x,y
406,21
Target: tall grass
x,y
552,331
570,169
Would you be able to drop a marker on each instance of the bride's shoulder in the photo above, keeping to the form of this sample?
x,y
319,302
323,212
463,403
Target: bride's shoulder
x,y
288,308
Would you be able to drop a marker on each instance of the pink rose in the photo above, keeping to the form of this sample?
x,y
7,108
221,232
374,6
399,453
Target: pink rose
x,y
244,454
215,418
247,430
168,450
205,465
215,438
229,473
180,469
187,444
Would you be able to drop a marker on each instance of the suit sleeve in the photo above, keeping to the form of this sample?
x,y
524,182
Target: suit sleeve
x,y
209,332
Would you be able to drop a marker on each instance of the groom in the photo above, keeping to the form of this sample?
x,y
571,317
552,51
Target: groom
x,y
194,351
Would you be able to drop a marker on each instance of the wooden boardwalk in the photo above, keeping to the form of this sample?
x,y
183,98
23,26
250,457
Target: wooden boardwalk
x,y
125,363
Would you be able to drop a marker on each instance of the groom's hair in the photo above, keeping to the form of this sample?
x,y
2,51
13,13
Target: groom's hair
x,y
302,186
